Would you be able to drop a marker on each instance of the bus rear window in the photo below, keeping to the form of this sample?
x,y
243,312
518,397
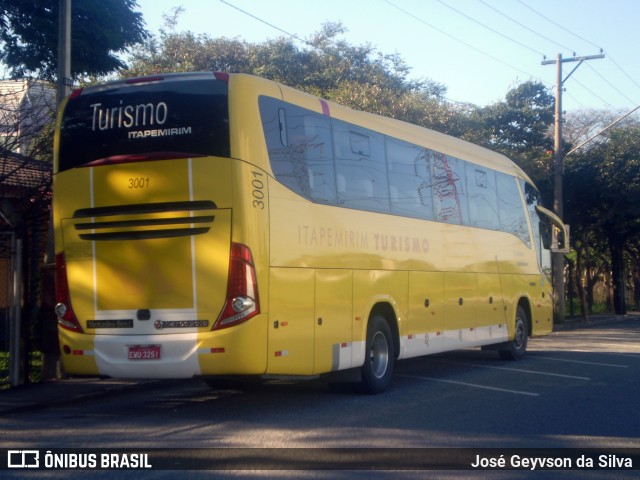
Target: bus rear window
x,y
181,116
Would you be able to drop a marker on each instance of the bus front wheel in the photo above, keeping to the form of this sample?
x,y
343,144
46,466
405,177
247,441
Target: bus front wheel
x,y
379,356
517,347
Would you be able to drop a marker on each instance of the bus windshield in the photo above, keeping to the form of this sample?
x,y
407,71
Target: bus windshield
x,y
149,120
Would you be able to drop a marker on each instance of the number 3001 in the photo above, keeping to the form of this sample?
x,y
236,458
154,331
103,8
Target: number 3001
x,y
257,190
138,182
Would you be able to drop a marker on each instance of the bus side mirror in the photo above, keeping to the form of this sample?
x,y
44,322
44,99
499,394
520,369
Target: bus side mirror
x,y
559,241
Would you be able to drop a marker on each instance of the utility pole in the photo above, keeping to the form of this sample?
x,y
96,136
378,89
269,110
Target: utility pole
x,y
557,258
50,352
64,49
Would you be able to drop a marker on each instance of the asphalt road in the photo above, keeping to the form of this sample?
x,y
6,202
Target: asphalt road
x,y
574,389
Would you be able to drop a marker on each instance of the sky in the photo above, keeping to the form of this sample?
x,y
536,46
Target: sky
x,y
477,49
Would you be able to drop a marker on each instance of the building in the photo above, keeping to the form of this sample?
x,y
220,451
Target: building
x,y
25,107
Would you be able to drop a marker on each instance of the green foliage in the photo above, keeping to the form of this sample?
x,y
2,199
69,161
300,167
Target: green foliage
x,y
602,191
101,30
520,127
4,369
34,368
603,184
363,78
356,76
521,122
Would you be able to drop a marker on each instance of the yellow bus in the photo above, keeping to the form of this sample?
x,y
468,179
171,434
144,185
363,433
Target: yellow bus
x,y
212,225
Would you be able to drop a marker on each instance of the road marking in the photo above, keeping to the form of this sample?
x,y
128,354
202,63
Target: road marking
x,y
580,361
473,385
631,355
523,370
535,372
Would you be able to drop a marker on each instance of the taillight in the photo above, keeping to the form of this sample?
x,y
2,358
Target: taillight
x,y
64,312
75,93
222,76
242,301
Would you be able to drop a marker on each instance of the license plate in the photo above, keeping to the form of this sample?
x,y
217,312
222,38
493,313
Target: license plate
x,y
144,352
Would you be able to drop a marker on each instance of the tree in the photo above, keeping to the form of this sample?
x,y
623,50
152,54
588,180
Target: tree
x,y
603,195
520,127
356,76
101,30
521,122
633,251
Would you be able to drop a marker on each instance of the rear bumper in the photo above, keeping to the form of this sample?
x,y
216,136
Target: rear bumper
x,y
239,350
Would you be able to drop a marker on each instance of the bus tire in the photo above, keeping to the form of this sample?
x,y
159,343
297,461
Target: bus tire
x,y
379,356
517,347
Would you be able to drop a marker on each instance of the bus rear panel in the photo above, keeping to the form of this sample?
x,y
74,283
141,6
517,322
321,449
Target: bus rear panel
x,y
148,277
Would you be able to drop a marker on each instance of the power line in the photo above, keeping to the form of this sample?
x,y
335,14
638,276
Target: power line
x,y
473,47
633,80
591,91
612,124
593,44
468,45
535,32
606,80
269,24
558,44
292,35
560,26
491,29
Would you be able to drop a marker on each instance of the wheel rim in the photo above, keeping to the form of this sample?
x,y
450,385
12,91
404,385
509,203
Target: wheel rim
x,y
521,334
379,355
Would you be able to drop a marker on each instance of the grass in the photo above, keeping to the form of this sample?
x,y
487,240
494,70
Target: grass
x,y
34,368
597,308
4,368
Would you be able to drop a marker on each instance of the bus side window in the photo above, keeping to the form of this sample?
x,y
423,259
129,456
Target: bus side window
x,y
450,189
512,214
300,149
410,183
361,166
483,202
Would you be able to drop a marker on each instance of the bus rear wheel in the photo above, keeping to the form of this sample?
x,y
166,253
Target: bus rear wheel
x,y
379,356
517,347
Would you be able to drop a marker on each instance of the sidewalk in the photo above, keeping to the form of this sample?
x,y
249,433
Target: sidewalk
x,y
65,391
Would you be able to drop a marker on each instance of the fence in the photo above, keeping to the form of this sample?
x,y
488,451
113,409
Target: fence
x,y
11,368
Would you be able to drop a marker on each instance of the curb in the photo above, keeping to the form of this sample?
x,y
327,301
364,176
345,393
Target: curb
x,y
594,321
